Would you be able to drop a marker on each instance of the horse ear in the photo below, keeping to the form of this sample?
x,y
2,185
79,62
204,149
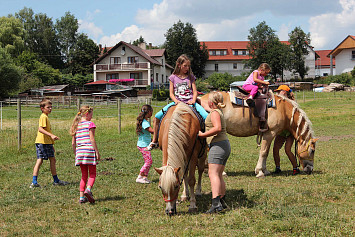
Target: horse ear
x,y
315,139
159,170
176,170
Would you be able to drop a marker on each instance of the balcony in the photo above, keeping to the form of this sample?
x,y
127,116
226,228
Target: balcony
x,y
134,83
122,67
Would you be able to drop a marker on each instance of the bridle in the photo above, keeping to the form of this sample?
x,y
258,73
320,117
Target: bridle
x,y
298,154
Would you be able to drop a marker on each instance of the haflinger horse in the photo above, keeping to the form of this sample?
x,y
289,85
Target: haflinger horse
x,y
286,115
182,152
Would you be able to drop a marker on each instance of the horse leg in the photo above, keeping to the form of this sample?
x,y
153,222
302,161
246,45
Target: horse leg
x,y
185,193
260,169
201,169
192,181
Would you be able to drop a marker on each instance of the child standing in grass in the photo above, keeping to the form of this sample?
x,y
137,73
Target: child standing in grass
x,y
44,145
85,149
143,131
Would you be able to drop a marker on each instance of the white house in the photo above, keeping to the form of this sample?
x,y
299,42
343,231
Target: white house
x,y
134,66
345,55
229,56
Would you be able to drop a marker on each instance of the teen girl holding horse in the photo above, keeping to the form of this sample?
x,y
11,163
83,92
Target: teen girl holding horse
x,y
182,88
219,150
285,136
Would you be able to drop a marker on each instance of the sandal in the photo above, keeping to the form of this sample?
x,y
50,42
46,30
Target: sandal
x,y
151,146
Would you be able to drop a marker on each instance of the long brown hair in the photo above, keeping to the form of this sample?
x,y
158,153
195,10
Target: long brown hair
x,y
83,110
144,110
182,59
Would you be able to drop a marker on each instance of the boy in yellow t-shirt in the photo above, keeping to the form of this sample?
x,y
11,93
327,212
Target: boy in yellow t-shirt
x,y
44,145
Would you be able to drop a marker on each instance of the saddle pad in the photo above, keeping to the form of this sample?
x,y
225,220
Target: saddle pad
x,y
240,100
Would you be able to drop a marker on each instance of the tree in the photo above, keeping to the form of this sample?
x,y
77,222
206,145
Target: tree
x,y
220,81
261,40
279,58
41,37
11,35
67,28
84,53
181,39
10,74
300,42
138,41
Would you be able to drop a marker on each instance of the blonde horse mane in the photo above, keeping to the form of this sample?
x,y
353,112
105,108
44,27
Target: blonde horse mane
x,y
178,140
307,130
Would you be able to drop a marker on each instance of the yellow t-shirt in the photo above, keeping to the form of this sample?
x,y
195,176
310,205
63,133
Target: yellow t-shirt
x,y
44,123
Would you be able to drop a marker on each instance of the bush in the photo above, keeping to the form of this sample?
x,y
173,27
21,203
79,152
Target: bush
x,y
344,78
160,94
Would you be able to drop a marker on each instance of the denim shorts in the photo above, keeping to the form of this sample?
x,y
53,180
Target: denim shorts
x,y
44,151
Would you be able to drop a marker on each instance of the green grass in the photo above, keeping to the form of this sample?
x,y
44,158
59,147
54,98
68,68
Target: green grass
x,y
321,204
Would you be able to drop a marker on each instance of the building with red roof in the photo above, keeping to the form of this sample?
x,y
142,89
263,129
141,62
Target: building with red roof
x,y
230,57
324,64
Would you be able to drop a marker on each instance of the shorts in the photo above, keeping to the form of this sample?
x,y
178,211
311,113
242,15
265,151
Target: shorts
x,y
44,151
219,152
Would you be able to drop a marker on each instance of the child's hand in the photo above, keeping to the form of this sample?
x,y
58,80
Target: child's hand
x,y
98,156
54,137
267,83
190,102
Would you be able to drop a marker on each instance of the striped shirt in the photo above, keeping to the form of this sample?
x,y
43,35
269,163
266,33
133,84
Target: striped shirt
x,y
85,152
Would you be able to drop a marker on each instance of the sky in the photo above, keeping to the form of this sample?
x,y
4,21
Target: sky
x,y
108,22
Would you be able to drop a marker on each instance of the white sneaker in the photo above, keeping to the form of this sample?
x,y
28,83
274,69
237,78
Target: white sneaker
x,y
142,180
147,180
35,185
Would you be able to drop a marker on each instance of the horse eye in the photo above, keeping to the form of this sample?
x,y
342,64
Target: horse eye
x,y
176,187
159,187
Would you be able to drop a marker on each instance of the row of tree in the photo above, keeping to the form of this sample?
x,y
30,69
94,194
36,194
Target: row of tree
x,y
35,51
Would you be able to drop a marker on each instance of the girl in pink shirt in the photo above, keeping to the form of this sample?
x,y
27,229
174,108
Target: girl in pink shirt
x,y
255,80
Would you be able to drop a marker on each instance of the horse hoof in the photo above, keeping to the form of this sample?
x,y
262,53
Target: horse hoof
x,y
184,199
198,194
192,209
267,172
260,175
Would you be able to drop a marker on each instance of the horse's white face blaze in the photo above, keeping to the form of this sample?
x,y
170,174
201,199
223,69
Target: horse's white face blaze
x,y
170,190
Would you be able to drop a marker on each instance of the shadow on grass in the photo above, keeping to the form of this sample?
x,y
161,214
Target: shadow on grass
x,y
114,198
283,173
235,198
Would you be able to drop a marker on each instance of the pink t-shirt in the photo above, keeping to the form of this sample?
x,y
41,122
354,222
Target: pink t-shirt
x,y
250,79
182,87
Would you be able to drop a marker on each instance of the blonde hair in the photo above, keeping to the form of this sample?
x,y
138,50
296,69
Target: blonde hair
x,y
45,102
265,67
85,109
217,98
182,59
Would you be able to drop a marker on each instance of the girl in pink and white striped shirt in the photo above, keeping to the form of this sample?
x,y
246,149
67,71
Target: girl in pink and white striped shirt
x,y
85,150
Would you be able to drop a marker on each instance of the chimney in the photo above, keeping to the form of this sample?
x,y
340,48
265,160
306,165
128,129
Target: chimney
x,y
150,45
142,46
100,47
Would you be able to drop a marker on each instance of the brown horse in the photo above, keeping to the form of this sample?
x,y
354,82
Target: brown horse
x,y
182,152
286,115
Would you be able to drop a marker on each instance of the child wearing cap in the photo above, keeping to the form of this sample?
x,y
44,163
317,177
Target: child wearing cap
x,y
285,136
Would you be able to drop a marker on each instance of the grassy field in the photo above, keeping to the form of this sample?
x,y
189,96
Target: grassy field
x,y
321,204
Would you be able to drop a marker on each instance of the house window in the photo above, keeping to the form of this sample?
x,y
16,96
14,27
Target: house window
x,y
235,52
216,67
235,66
112,76
213,52
137,75
353,55
157,76
132,59
115,60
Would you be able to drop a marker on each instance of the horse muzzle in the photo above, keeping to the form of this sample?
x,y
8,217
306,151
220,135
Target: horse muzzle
x,y
308,169
170,211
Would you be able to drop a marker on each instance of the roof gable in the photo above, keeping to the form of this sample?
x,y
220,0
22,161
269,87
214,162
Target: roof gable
x,y
347,43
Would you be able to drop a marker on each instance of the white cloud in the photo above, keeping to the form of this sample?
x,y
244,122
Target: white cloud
x,y
129,33
283,32
90,28
328,30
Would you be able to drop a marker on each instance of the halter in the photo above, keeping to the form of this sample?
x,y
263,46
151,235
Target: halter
x,y
305,150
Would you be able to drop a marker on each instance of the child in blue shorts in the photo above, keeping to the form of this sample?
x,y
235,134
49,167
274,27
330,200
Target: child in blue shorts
x,y
44,145
182,88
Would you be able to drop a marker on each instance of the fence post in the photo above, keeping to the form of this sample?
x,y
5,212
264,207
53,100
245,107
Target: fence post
x,y
19,123
119,114
1,113
78,103
304,99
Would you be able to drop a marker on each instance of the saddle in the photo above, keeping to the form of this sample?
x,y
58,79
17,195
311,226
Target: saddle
x,y
262,100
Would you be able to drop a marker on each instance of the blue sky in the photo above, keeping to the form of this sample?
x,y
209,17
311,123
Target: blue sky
x,y
109,21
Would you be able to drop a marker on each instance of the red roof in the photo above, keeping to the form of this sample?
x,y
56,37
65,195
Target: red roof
x,y
101,82
154,52
229,46
323,60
